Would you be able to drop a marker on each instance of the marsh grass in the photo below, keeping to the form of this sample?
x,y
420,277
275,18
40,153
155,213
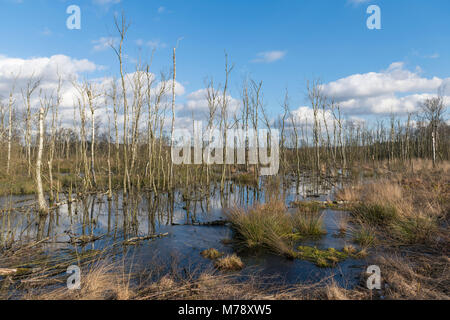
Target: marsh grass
x,y
211,254
229,263
308,223
406,210
375,214
415,276
343,224
364,235
411,230
259,225
272,227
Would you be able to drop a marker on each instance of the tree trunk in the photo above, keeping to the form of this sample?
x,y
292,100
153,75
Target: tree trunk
x,y
43,208
8,163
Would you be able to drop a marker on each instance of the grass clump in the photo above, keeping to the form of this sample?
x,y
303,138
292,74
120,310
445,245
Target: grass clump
x,y
211,254
364,236
413,230
230,263
375,214
272,227
308,223
261,225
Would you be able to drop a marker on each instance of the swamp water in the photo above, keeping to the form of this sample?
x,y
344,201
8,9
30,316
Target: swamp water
x,y
181,221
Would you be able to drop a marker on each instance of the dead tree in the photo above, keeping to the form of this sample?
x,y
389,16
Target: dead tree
x,y
316,99
122,28
42,203
173,114
32,85
433,110
10,114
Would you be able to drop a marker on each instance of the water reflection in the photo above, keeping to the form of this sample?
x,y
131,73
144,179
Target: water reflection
x,y
110,222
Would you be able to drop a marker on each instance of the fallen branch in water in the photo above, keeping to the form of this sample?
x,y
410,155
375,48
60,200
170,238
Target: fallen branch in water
x,y
17,271
135,240
205,224
85,239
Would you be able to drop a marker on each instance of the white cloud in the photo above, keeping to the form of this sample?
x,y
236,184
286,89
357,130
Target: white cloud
x,y
395,89
269,56
305,116
48,70
197,105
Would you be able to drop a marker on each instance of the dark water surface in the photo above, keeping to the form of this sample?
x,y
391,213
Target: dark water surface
x,y
149,214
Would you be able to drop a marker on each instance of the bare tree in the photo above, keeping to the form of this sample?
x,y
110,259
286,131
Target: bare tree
x,y
122,28
316,99
433,110
32,85
54,107
10,114
174,76
92,96
42,203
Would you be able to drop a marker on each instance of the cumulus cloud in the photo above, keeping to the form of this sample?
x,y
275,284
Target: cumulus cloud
x,y
50,69
197,105
305,116
47,69
395,89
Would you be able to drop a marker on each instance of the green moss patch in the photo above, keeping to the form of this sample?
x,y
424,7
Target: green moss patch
x,y
329,257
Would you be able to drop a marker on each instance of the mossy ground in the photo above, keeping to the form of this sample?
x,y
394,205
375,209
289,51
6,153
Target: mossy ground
x,y
326,258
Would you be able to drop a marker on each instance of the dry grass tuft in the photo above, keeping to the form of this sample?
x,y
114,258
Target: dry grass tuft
x,y
230,263
100,282
348,194
211,254
417,277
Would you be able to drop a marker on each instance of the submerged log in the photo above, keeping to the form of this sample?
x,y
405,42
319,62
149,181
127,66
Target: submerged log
x,y
211,223
135,240
84,239
204,224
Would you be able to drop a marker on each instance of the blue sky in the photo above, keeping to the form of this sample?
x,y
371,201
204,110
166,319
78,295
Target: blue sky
x,y
282,43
